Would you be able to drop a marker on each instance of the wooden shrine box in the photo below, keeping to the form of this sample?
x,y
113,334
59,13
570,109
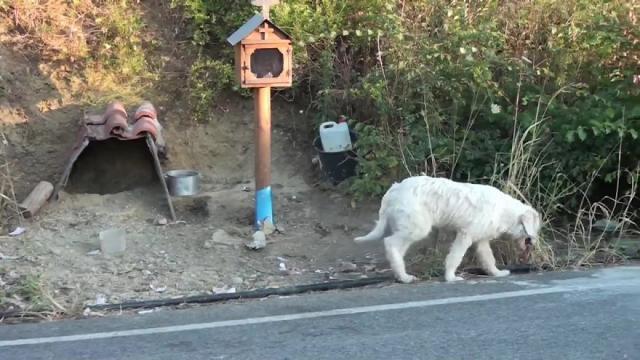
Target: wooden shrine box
x,y
264,54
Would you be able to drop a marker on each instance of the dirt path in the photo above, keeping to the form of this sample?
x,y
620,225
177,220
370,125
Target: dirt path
x,y
318,223
39,123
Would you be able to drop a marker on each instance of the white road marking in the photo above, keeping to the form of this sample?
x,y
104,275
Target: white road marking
x,y
569,287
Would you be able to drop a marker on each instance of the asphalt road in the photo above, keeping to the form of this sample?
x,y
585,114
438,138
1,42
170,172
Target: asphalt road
x,y
573,315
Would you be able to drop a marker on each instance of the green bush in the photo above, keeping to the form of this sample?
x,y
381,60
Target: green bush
x,y
208,78
449,87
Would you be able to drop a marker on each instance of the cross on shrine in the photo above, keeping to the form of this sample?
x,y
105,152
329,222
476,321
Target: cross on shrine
x,y
266,5
264,31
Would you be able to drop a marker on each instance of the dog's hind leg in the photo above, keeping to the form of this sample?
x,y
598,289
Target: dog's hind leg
x,y
396,247
483,249
454,258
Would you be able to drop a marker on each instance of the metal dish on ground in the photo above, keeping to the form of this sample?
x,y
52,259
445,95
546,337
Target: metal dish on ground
x,y
183,182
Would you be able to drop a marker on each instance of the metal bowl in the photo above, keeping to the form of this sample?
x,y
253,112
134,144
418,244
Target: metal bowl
x,y
183,182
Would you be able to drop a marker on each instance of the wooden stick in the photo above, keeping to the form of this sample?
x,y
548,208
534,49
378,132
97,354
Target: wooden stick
x,y
156,162
36,199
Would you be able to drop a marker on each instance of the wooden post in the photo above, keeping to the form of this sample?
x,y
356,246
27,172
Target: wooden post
x,y
264,209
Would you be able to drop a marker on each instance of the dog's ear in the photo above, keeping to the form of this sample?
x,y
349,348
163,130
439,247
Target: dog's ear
x,y
530,220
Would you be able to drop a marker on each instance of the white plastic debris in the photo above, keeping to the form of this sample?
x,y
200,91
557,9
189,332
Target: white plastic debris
x,y
148,311
224,290
142,312
158,289
101,299
94,252
18,231
283,267
7,257
87,312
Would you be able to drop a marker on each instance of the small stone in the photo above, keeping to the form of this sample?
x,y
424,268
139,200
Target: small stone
x,y
208,244
236,280
346,267
223,238
321,229
315,161
268,228
259,241
161,221
369,267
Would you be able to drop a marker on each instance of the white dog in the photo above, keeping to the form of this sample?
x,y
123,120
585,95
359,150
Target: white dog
x,y
477,213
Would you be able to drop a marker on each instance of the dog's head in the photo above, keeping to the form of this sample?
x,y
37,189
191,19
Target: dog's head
x,y
528,227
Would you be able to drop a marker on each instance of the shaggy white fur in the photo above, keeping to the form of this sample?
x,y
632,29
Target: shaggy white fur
x,y
477,213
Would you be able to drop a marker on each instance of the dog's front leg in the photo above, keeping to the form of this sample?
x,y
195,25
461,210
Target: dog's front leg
x,y
454,258
483,249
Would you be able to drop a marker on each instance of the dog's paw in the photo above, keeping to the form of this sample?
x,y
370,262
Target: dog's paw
x,y
452,278
407,279
502,273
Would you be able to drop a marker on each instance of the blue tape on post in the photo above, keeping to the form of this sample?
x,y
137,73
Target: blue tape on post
x,y
264,209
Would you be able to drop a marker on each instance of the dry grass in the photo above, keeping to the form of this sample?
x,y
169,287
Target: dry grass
x,y
92,50
28,299
9,209
578,243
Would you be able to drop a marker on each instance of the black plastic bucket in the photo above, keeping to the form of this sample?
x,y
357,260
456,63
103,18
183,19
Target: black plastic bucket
x,y
337,166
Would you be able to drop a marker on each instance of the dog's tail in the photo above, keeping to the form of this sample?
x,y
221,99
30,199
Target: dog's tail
x,y
376,234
